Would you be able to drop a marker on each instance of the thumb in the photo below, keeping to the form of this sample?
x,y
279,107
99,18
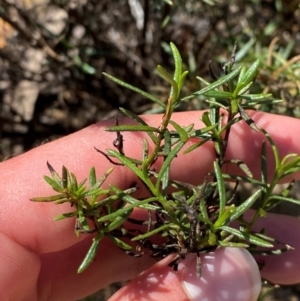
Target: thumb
x,y
227,274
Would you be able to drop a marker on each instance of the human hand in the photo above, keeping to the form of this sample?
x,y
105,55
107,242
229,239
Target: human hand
x,y
40,257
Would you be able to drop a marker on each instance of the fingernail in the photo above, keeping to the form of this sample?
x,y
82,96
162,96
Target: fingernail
x,y
227,274
188,275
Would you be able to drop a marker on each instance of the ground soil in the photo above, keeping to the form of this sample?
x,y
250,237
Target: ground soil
x,y
53,53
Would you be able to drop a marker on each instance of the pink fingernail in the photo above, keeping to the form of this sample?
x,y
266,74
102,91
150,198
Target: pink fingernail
x,y
227,274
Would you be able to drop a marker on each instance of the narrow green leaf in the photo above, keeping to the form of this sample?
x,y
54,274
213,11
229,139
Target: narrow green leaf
x,y
54,174
193,95
169,79
234,105
48,198
218,94
205,119
203,209
241,209
189,129
92,177
106,202
225,216
91,253
291,170
118,242
247,119
265,237
86,68
251,103
251,72
230,123
132,128
264,164
72,182
55,186
152,232
284,199
204,81
82,183
201,132
181,131
218,104
177,61
233,244
259,97
112,198
139,121
242,178
118,221
130,200
221,187
214,112
182,78
258,241
223,80
63,200
122,211
244,49
248,237
124,195
166,174
65,215
274,148
243,166
173,153
103,178
168,17
241,89
132,88
96,192
241,75
83,220
233,231
196,145
145,149
289,165
65,177
286,192
126,161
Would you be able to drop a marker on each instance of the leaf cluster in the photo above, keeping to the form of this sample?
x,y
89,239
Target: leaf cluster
x,y
189,218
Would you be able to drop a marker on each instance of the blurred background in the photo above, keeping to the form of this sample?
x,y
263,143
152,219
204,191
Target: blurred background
x,y
53,53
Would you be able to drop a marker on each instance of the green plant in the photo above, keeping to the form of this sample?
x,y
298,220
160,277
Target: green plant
x,y
189,218
279,73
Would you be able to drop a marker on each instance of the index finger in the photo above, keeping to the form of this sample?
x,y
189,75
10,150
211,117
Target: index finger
x,y
31,224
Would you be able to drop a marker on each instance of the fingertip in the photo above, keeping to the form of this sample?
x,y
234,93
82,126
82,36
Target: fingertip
x,y
19,271
281,268
159,282
227,274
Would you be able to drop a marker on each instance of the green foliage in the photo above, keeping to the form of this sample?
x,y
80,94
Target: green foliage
x,y
191,218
